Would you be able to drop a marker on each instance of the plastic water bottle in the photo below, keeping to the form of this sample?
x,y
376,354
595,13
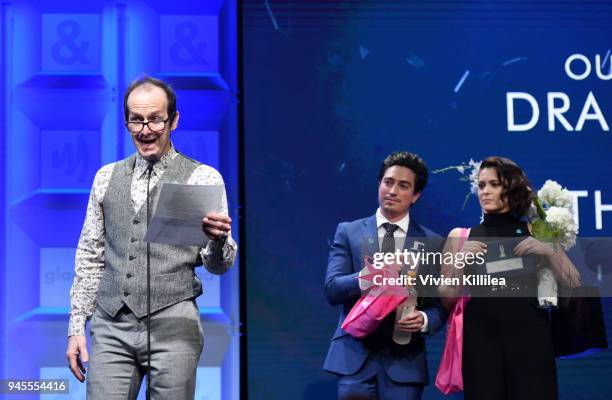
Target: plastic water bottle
x,y
407,307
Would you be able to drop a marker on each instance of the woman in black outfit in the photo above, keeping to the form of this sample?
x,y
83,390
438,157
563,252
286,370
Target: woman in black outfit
x,y
507,346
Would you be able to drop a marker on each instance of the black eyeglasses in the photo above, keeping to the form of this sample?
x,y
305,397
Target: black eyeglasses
x,y
155,125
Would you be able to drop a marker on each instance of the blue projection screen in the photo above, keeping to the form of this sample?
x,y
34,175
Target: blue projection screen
x,y
330,88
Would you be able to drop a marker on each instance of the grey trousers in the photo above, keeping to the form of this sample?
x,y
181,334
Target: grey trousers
x,y
118,358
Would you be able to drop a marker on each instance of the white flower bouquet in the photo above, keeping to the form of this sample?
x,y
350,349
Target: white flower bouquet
x,y
551,221
551,218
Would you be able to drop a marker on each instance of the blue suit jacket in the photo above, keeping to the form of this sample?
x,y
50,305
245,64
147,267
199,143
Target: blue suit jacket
x,y
346,355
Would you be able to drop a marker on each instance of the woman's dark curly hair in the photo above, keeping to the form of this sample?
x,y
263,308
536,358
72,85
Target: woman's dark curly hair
x,y
517,189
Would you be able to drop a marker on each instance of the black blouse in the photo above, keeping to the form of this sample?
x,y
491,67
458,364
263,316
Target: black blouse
x,y
495,227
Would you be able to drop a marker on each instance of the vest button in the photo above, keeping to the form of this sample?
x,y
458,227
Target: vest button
x,y
133,240
129,275
132,258
126,293
136,222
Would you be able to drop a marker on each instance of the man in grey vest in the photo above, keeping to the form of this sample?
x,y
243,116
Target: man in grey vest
x,y
110,284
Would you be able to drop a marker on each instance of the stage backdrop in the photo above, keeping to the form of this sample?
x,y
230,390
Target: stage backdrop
x,y
65,67
332,87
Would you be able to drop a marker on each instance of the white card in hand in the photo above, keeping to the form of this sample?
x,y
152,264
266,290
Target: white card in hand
x,y
177,218
509,264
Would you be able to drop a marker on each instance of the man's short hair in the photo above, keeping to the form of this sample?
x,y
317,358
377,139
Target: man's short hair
x,y
147,80
408,160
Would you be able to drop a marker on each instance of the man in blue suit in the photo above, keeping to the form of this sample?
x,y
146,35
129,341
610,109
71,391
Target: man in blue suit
x,y
375,367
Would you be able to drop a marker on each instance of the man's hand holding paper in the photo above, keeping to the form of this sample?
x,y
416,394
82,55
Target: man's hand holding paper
x,y
216,225
178,216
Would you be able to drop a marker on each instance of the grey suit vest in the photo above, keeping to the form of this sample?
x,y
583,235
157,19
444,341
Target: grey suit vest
x,y
125,274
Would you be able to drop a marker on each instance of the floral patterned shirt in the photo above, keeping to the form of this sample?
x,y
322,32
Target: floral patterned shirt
x,y
218,257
